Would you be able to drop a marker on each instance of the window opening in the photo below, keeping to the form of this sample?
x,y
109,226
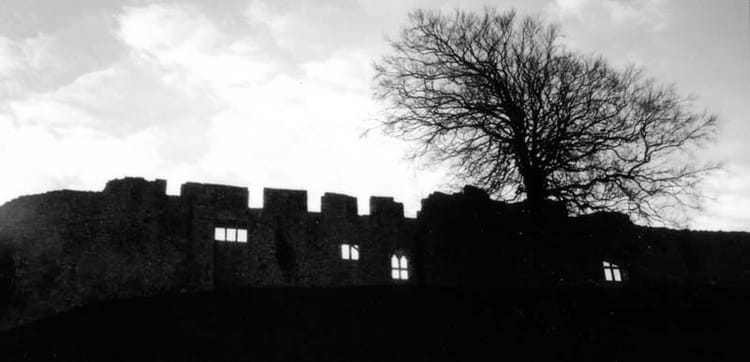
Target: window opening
x,y
612,272
230,234
399,267
349,252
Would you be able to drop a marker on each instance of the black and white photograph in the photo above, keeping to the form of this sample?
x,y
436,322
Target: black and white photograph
x,y
374,180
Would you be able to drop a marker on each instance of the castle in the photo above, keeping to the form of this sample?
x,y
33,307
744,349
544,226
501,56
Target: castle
x,y
64,249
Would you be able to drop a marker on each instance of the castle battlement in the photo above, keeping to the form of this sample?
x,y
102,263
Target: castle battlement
x,y
275,201
63,249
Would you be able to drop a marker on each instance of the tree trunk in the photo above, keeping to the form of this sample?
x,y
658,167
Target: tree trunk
x,y
536,193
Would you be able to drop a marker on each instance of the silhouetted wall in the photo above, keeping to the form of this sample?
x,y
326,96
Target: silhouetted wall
x,y
64,249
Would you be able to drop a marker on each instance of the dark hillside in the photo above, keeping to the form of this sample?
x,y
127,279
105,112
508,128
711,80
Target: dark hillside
x,y
396,324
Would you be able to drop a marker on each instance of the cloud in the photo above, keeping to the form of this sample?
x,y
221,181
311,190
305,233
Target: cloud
x,y
45,61
137,115
257,93
121,99
727,206
18,62
10,57
648,13
297,24
304,31
40,158
185,43
189,98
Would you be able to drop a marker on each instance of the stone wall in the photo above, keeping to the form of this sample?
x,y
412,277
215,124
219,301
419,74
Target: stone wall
x,y
72,248
64,249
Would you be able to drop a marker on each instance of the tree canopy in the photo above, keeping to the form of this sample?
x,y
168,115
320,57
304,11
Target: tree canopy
x,y
500,99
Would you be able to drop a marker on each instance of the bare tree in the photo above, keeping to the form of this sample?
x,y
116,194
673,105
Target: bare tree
x,y
498,97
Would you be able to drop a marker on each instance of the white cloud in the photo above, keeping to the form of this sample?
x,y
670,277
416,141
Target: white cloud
x,y
44,61
123,98
728,201
269,14
19,60
344,70
189,100
38,156
167,29
312,30
276,95
10,57
190,47
574,7
641,13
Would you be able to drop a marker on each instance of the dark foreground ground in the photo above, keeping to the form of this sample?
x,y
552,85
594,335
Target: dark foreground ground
x,y
399,324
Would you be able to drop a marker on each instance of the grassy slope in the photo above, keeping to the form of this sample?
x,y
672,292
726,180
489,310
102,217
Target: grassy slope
x,y
389,323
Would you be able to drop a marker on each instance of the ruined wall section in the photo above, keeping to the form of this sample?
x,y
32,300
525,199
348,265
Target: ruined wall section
x,y
388,232
280,237
683,257
301,248
585,242
133,246
70,248
38,280
377,236
340,224
210,263
653,257
284,230
468,239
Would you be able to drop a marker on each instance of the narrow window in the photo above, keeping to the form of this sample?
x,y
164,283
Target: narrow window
x,y
399,267
355,252
349,252
231,234
403,268
612,272
242,235
220,234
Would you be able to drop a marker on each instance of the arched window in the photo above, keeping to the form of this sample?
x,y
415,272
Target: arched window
x,y
612,272
399,267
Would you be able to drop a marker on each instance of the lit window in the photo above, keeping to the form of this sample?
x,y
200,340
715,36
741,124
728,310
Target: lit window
x,y
220,234
230,234
612,272
399,267
242,235
349,252
355,252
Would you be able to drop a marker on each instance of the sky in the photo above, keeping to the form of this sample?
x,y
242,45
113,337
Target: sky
x,y
278,93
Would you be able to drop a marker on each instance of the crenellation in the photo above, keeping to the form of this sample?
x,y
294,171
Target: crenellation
x,y
385,212
215,196
134,186
338,207
63,249
284,204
